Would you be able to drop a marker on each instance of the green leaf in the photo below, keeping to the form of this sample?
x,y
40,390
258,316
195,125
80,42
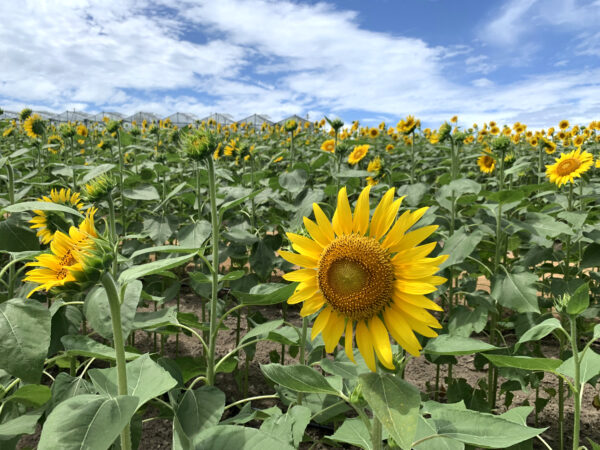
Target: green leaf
x,y
505,196
293,181
149,320
152,268
92,422
579,301
456,345
589,366
544,225
298,378
158,229
395,403
14,237
591,256
425,429
25,336
464,320
96,171
261,330
42,206
539,331
145,380
478,429
233,203
97,309
34,395
194,235
66,386
197,410
77,345
516,291
262,260
289,426
353,432
238,438
170,195
23,424
460,245
270,294
232,276
161,249
147,192
525,362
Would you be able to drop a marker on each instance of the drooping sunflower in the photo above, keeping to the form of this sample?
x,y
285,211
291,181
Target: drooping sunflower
x,y
569,166
358,153
486,163
328,146
45,221
34,126
67,257
366,278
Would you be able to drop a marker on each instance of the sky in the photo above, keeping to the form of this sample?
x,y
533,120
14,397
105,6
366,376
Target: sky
x,y
534,61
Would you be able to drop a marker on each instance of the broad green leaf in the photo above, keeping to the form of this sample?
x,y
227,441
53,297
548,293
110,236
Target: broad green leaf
x,y
158,229
525,362
270,294
152,268
460,245
197,410
97,309
25,336
232,276
479,429
194,235
539,331
456,345
15,237
516,291
34,395
298,378
579,301
238,438
425,429
261,330
589,364
544,225
77,345
23,424
353,432
147,192
591,256
170,195
161,249
290,425
293,181
347,370
505,196
262,260
155,319
66,386
97,171
145,379
42,206
92,422
464,320
396,404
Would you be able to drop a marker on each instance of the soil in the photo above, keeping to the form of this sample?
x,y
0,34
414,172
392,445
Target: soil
x,y
157,433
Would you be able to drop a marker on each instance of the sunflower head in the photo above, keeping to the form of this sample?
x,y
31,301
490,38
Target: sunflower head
x,y
358,153
82,130
373,132
563,124
548,146
34,126
8,132
112,126
291,126
328,146
569,166
56,143
200,144
486,163
366,277
48,223
336,124
24,114
98,188
500,144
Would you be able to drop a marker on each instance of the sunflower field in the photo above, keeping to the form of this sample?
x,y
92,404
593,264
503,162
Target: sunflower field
x,y
305,285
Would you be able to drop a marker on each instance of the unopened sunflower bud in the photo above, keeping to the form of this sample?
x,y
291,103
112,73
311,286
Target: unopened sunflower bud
x,y
444,131
98,188
501,143
112,126
291,126
200,144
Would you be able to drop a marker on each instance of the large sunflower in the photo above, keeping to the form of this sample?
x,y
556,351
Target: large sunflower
x,y
34,126
486,163
358,153
67,257
370,275
569,166
45,221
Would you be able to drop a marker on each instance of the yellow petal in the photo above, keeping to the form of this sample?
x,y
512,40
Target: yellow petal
x,y
299,260
362,211
333,331
323,222
413,254
303,292
300,275
414,287
305,245
415,299
315,232
388,218
348,341
420,327
381,342
401,331
414,271
414,238
342,219
402,225
312,305
320,322
417,313
380,213
365,346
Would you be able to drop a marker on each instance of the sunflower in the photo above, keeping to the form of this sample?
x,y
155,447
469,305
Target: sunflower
x,y
34,126
454,119
563,124
548,146
578,140
373,132
358,153
370,275
67,257
569,166
328,146
82,130
8,132
44,219
486,163
56,143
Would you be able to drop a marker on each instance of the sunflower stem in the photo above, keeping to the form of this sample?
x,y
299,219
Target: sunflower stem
x,y
412,158
302,357
561,413
11,184
568,242
214,217
577,382
123,222
114,302
113,233
72,164
376,434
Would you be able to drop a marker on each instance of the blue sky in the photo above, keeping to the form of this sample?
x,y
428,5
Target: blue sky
x,y
535,61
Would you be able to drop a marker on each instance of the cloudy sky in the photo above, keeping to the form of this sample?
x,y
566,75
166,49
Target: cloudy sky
x,y
535,61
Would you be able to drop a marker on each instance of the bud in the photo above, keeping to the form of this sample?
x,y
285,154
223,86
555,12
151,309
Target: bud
x,y
336,124
501,143
67,130
356,395
444,131
25,113
98,188
135,131
112,126
153,129
199,144
291,126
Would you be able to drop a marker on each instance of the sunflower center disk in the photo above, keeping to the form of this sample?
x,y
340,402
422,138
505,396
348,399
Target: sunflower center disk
x,y
356,276
567,166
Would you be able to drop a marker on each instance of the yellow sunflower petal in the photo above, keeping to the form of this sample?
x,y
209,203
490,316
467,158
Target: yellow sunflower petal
x,y
420,327
415,299
365,344
401,332
305,245
381,342
417,313
303,292
333,331
414,238
300,275
342,218
348,341
402,225
320,322
380,213
323,222
299,260
414,287
362,211
315,232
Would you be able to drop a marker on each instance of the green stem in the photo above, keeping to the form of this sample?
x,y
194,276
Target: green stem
x,y
114,302
252,217
376,434
568,242
302,356
72,164
121,163
577,381
11,184
113,233
412,158
245,400
561,413
214,217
